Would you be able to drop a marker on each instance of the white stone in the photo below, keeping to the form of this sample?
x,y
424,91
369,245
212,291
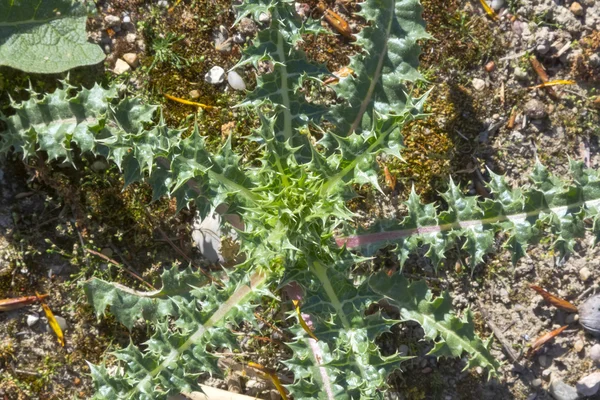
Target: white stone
x,y
32,319
497,4
236,81
578,346
589,385
126,19
478,84
121,67
595,353
215,76
584,274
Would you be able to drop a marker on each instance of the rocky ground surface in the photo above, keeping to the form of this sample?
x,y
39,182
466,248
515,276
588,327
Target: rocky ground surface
x,y
483,115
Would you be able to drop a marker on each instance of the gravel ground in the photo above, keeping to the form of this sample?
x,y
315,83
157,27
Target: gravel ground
x,y
563,36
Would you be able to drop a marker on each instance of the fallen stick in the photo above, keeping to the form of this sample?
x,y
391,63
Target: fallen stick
x,y
541,73
498,333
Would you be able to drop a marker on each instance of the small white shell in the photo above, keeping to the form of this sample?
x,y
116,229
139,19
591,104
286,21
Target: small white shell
x,y
215,76
236,81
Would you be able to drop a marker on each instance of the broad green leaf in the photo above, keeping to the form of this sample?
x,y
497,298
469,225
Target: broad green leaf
x,y
45,36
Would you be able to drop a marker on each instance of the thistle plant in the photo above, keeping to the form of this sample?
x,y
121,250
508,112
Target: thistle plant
x,y
296,226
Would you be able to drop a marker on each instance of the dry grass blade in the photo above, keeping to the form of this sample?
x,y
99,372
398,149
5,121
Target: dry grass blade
x,y
19,302
553,83
541,73
52,321
542,340
189,103
555,301
272,376
488,10
302,322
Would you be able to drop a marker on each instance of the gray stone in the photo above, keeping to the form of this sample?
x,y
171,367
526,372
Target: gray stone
x,y
578,346
520,73
238,38
215,76
403,350
544,361
592,16
589,385
536,382
564,17
595,353
535,109
478,84
589,315
595,60
247,26
561,391
235,81
546,374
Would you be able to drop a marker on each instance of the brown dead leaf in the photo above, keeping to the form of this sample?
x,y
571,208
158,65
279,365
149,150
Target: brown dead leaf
x,y
19,302
555,301
542,340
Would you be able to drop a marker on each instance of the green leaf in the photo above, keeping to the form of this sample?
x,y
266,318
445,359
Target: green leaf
x,y
45,36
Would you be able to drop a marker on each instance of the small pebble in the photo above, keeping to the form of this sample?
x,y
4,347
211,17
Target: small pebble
x,y
536,382
595,353
576,9
489,67
403,350
478,84
584,274
236,81
215,76
544,361
107,251
497,4
426,370
112,21
131,38
520,73
571,318
561,391
247,26
61,322
546,374
131,59
535,109
121,67
32,319
578,346
589,385
239,38
126,19
194,94
264,18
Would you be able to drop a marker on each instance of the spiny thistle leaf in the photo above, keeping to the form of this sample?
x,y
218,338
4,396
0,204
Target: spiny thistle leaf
x,y
390,56
452,335
563,207
177,352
